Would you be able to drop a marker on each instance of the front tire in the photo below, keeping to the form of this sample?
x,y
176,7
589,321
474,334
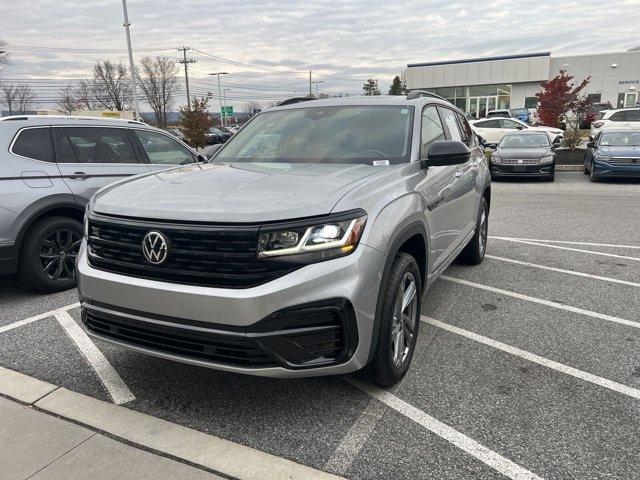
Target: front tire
x,y
592,175
49,252
400,322
473,253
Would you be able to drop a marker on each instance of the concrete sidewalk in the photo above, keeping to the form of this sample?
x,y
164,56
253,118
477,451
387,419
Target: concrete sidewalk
x,y
36,445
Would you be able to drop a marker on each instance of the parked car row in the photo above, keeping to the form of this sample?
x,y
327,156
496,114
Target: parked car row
x,y
493,129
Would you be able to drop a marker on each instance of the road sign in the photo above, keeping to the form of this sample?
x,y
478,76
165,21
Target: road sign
x,y
227,111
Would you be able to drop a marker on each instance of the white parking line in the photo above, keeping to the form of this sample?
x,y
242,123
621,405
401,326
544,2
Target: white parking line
x,y
116,387
460,440
604,254
567,242
562,270
548,303
349,447
44,315
532,357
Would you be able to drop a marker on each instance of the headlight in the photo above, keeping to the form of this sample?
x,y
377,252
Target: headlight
x,y
310,241
547,159
602,158
496,159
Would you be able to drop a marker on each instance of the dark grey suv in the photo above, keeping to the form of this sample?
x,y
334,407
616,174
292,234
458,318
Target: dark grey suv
x,y
49,168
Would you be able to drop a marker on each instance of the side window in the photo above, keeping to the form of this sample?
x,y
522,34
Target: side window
x,y
431,128
64,150
101,145
467,134
489,124
34,143
632,116
162,149
510,124
449,118
618,117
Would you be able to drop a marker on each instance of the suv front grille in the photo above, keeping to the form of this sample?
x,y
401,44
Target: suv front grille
x,y
525,161
222,256
624,161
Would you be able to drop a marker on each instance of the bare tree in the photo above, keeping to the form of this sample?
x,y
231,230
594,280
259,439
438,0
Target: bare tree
x,y
83,95
10,97
25,99
67,102
252,107
157,78
4,56
110,86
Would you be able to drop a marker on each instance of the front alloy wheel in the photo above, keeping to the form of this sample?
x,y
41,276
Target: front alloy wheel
x,y
404,319
399,322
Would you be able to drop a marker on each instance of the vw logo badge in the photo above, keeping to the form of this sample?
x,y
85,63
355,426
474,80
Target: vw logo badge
x,y
154,247
520,162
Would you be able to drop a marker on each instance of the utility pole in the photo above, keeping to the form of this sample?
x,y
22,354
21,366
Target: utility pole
x,y
224,97
186,61
132,70
310,82
316,83
220,94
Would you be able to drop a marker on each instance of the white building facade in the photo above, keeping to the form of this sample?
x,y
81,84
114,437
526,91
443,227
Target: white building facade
x,y
481,84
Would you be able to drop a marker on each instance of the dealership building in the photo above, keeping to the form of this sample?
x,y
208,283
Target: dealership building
x,y
478,85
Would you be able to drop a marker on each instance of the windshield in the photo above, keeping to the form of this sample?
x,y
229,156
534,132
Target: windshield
x,y
621,139
524,141
349,134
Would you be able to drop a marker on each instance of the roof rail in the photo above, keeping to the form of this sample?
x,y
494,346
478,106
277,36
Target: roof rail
x,y
423,93
9,119
291,101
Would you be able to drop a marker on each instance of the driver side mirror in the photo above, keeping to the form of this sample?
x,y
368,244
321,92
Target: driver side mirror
x,y
446,152
481,141
519,127
202,158
592,144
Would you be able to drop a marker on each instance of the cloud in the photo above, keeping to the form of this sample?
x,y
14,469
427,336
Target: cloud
x,y
343,42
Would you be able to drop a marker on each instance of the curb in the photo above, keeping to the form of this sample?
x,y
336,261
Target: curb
x,y
155,434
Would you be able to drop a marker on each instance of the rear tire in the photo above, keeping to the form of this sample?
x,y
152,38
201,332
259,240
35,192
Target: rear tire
x,y
48,255
473,253
399,323
592,176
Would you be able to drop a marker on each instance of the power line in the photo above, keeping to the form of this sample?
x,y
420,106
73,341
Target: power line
x,y
242,64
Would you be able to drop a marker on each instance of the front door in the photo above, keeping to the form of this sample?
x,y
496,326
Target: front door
x,y
92,157
630,99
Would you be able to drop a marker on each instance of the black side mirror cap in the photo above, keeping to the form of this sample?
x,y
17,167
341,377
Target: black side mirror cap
x,y
202,158
446,152
591,144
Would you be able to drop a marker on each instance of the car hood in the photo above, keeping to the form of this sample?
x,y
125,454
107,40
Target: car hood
x,y
523,152
234,192
622,151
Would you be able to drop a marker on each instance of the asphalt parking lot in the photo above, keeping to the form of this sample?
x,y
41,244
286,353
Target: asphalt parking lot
x,y
527,366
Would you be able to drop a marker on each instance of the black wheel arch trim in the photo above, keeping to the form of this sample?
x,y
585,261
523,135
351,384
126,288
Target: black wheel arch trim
x,y
416,228
39,212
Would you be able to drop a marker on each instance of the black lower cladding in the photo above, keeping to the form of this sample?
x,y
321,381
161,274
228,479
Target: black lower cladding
x,y
305,336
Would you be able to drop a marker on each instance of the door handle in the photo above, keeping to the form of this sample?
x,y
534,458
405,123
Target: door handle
x,y
78,175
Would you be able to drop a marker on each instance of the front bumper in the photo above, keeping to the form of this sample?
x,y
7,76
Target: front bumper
x,y
501,170
606,169
136,309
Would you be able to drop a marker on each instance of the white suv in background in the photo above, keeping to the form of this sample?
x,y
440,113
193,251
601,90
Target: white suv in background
x,y
619,118
493,129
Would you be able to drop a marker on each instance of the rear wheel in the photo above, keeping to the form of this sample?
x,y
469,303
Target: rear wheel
x,y
399,323
474,252
49,252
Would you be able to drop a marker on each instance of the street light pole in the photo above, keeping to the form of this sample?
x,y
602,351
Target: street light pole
x,y
224,97
131,65
220,94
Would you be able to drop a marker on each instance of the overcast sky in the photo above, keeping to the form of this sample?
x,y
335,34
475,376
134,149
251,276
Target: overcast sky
x,y
343,42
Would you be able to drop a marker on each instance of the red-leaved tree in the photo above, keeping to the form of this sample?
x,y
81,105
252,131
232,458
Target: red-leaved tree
x,y
558,96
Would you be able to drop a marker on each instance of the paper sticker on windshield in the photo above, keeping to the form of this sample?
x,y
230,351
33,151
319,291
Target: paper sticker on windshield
x,y
381,162
404,111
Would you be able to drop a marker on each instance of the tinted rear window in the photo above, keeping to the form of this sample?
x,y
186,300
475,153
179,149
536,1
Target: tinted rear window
x,y
34,143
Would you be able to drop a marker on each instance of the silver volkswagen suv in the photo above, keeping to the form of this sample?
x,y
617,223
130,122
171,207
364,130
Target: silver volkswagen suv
x,y
49,168
303,248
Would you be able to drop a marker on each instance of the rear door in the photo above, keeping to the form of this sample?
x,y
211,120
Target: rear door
x,y
162,151
91,157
